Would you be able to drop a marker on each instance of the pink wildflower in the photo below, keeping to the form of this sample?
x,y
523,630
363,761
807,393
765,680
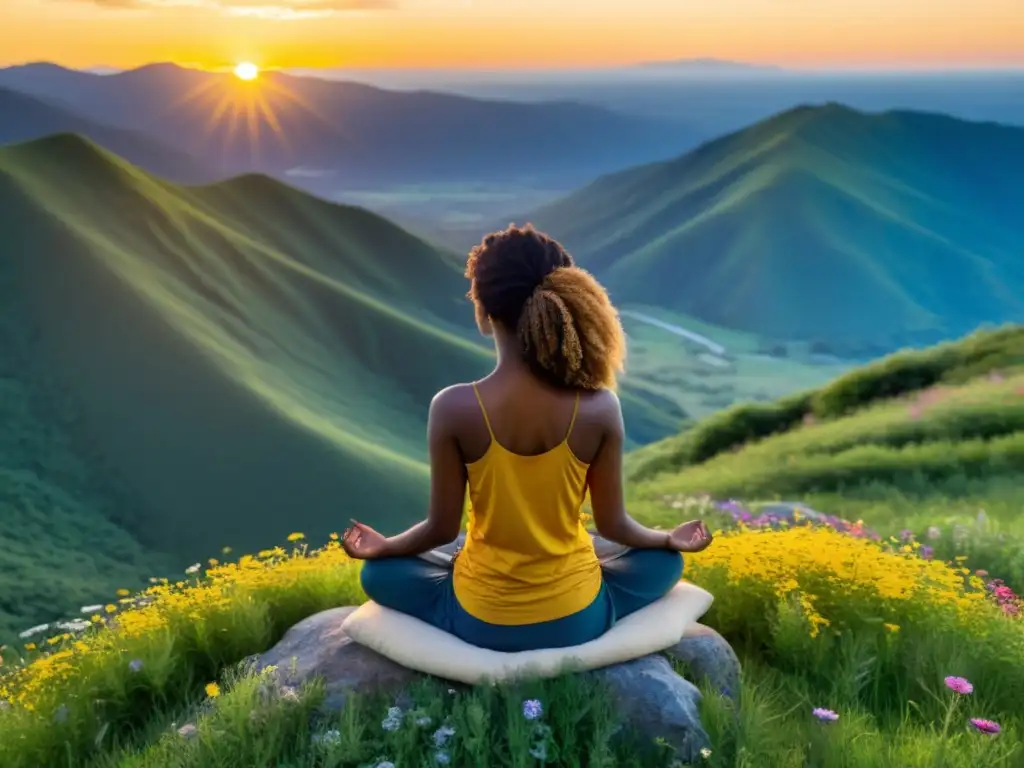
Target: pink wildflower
x,y
959,685
986,726
825,715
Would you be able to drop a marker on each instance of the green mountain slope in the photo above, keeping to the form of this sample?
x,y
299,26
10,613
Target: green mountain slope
x,y
821,223
27,118
186,368
998,353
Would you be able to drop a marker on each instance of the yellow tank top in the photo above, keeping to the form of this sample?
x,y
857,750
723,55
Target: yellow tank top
x,y
527,557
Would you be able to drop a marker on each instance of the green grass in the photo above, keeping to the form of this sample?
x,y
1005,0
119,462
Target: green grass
x,y
790,227
999,352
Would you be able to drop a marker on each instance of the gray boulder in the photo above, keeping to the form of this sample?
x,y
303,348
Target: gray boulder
x,y
658,703
652,698
317,647
708,659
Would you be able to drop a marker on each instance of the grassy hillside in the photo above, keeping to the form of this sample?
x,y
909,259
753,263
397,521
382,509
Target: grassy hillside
x,y
900,374
240,357
188,368
821,223
27,118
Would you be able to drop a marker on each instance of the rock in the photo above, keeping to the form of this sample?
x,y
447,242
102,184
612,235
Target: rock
x,y
658,703
654,700
709,658
317,647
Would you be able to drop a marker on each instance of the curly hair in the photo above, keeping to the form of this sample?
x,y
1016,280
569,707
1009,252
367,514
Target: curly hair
x,y
569,332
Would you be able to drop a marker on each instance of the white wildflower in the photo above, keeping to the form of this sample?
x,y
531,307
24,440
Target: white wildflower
x,y
194,568
33,630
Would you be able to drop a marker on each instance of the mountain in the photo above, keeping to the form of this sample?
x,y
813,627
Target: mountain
x,y
821,223
27,118
360,133
184,368
706,67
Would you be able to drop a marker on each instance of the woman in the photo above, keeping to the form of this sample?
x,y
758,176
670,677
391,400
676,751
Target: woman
x,y
528,440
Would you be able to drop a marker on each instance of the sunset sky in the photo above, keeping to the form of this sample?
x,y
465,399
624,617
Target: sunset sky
x,y
513,33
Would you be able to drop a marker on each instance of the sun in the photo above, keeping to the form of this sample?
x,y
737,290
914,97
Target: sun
x,y
246,70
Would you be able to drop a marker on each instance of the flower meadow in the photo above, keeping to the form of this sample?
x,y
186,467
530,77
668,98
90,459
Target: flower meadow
x,y
858,649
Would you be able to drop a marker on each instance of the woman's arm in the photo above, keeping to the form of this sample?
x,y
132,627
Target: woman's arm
x,y
605,479
447,486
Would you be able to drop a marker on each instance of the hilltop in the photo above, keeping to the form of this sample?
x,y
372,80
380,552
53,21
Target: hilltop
x,y
27,118
822,224
355,133
192,367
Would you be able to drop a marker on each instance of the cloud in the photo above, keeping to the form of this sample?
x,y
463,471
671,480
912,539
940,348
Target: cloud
x,y
262,9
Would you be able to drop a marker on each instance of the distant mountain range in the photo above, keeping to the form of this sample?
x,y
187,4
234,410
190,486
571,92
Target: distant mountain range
x,y
27,118
360,133
821,223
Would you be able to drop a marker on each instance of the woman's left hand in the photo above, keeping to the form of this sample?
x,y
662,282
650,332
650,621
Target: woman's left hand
x,y
363,543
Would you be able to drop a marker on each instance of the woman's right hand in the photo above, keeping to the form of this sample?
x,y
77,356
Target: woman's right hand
x,y
693,536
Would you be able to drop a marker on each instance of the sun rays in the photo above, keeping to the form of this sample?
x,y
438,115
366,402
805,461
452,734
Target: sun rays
x,y
250,106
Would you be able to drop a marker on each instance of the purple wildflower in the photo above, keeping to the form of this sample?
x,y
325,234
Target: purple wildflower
x,y
135,665
959,685
532,709
986,726
927,552
825,715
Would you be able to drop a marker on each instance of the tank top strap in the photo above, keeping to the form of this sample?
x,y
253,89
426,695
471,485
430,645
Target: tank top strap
x,y
483,411
572,421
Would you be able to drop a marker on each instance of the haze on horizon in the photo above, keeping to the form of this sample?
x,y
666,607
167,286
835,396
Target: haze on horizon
x,y
513,34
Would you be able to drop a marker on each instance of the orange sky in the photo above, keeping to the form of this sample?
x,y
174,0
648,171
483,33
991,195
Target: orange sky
x,y
512,33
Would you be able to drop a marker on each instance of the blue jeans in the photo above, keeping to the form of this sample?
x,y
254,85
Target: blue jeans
x,y
632,580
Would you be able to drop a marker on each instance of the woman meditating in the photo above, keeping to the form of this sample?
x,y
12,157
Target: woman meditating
x,y
528,440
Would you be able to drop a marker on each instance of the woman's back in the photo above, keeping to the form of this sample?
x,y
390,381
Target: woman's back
x,y
527,557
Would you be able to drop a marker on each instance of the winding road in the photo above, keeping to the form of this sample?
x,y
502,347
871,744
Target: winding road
x,y
718,349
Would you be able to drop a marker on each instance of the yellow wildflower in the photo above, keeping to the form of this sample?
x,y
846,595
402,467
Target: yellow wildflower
x,y
212,690
296,536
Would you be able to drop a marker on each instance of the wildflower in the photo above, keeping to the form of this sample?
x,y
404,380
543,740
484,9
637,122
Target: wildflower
x,y
296,536
332,536
212,690
122,592
90,608
985,726
110,608
30,646
188,731
391,723
705,753
959,685
892,627
532,709
327,738
441,757
226,551
194,568
927,552
442,734
135,665
423,721
33,631
934,532
825,715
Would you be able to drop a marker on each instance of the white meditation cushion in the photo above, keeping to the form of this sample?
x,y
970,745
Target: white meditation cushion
x,y
419,646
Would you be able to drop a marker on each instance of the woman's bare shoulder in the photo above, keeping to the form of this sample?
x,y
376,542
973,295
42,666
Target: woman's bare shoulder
x,y
454,401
